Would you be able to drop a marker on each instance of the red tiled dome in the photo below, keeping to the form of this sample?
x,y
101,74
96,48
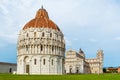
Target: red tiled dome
x,y
41,21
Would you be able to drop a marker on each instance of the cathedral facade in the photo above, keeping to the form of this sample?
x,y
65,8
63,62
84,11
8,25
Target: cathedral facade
x,y
76,63
41,46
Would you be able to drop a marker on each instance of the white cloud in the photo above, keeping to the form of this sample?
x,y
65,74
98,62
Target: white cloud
x,y
4,10
9,38
75,39
68,42
95,16
117,38
93,40
2,44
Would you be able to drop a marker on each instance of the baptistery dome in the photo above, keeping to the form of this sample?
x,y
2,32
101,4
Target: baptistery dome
x,y
41,46
41,20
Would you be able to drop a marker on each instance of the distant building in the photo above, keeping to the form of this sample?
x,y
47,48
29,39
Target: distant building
x,y
75,62
7,67
112,70
118,69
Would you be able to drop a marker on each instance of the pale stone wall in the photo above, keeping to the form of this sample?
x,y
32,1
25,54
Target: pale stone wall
x,y
118,69
86,67
7,67
40,51
96,64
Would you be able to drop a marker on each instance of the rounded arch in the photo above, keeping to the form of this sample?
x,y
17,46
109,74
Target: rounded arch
x,y
26,59
35,34
44,59
52,60
44,56
35,59
50,34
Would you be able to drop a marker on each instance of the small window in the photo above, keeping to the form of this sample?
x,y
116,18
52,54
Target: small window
x,y
43,34
52,62
37,46
34,34
41,47
52,48
35,61
27,35
31,46
26,48
50,34
43,61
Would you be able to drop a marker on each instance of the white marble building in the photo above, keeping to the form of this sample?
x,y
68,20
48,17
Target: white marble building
x,y
41,46
75,62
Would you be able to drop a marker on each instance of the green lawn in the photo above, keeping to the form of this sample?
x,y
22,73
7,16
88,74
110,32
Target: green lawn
x,y
61,77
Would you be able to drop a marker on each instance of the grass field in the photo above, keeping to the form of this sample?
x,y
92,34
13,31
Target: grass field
x,y
61,77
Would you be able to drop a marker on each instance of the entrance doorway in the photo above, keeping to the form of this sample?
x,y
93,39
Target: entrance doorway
x,y
10,70
27,69
70,70
77,70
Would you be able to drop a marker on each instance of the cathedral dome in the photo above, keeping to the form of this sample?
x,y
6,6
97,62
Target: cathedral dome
x,y
41,20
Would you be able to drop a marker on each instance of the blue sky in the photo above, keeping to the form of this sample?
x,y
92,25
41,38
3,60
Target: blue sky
x,y
87,24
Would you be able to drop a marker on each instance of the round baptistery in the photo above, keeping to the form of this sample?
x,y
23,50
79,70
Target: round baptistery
x,y
40,47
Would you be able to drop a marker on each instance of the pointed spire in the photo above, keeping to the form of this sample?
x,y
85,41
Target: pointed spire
x,y
42,7
81,51
42,13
